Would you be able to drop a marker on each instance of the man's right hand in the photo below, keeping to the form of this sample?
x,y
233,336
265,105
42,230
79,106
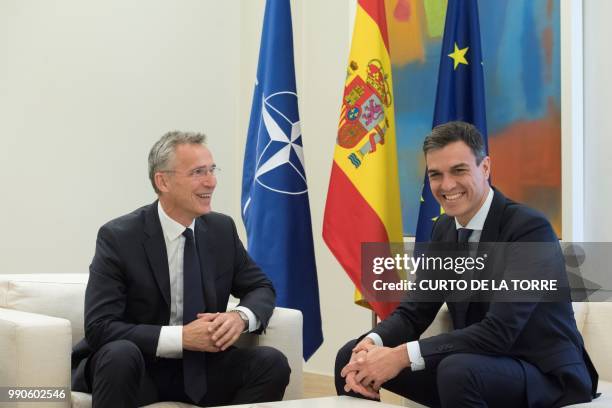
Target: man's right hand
x,y
359,352
197,337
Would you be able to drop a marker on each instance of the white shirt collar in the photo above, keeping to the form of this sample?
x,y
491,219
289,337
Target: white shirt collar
x,y
172,229
478,220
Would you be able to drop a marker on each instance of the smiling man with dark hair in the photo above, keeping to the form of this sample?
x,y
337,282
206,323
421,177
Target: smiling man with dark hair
x,y
500,354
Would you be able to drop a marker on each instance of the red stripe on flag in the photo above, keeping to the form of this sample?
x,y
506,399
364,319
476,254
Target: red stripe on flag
x,y
376,10
349,220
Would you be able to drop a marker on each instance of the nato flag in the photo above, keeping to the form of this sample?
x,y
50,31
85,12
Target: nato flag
x,y
460,94
275,207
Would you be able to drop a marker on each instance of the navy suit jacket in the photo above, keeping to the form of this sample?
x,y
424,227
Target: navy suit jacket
x,y
128,292
542,335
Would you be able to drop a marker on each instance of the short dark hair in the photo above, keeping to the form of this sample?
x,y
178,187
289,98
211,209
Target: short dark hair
x,y
456,131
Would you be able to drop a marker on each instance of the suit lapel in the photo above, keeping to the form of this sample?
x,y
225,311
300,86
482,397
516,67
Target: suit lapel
x,y
155,248
488,244
490,230
490,234
444,230
207,264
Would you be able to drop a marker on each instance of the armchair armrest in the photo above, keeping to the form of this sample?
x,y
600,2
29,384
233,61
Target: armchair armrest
x,y
284,333
35,351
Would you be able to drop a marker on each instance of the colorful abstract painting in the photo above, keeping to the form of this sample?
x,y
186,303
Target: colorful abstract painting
x,y
521,52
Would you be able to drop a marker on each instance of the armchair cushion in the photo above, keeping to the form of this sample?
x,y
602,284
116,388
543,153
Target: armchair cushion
x,y
34,351
59,295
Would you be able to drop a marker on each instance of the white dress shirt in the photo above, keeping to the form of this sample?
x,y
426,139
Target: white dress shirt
x,y
476,224
170,344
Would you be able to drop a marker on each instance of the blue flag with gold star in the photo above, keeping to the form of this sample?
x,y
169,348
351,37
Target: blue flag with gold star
x,y
275,207
460,94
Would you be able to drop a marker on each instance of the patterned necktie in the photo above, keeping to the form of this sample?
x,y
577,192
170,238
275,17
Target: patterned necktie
x,y
194,362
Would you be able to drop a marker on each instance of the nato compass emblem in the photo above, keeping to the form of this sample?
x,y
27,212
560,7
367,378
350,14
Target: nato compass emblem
x,y
280,157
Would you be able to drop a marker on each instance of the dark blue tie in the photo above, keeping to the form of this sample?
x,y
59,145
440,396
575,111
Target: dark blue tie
x,y
474,313
463,234
194,362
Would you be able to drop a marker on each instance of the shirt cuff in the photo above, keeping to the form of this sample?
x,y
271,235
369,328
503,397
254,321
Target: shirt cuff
x,y
417,362
376,339
170,344
254,322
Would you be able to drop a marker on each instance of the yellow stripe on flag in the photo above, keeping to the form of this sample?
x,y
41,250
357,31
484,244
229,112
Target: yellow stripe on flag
x,y
363,201
376,178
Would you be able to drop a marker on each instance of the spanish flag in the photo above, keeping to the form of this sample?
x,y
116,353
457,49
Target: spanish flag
x,y
363,200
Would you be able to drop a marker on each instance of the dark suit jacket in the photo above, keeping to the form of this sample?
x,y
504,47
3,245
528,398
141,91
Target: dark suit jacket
x,y
542,335
128,293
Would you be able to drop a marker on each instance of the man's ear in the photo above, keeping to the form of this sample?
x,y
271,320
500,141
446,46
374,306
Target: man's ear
x,y
485,164
161,182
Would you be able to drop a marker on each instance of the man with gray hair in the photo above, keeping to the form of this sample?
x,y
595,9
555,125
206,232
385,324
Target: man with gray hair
x,y
156,326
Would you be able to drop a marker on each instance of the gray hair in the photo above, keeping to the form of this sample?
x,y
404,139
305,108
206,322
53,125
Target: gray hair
x,y
456,131
162,152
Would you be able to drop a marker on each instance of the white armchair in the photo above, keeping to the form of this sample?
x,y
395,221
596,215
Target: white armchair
x,y
41,318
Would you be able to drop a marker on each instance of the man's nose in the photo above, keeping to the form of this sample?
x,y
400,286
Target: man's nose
x,y
209,181
448,182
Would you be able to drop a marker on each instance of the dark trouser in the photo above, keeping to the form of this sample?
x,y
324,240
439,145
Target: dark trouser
x,y
121,377
460,380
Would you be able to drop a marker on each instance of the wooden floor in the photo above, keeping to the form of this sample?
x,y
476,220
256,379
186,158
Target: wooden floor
x,y
316,385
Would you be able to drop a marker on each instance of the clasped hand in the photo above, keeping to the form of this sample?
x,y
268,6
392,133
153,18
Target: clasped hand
x,y
371,366
212,332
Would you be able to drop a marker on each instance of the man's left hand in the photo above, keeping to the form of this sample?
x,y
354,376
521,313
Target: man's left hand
x,y
379,366
226,329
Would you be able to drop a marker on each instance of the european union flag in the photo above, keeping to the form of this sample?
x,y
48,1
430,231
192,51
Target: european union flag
x,y
460,94
275,207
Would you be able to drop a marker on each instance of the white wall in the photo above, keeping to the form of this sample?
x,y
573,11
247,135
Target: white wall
x,y
86,87
597,121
